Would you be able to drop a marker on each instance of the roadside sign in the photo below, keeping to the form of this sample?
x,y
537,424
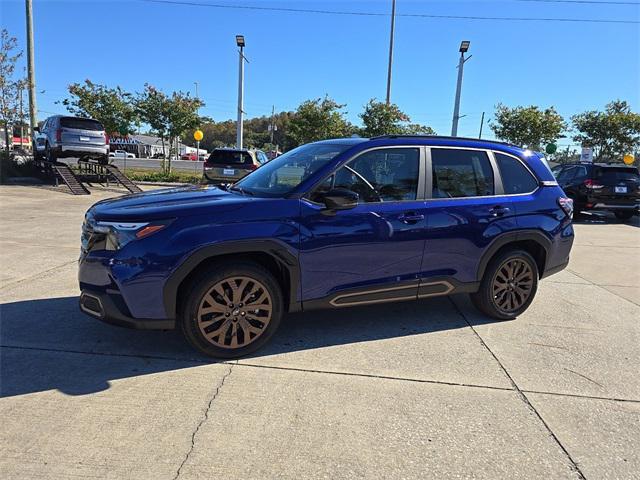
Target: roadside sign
x,y
628,159
198,135
586,155
551,148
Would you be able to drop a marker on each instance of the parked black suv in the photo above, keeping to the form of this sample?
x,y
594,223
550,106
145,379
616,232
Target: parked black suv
x,y
601,186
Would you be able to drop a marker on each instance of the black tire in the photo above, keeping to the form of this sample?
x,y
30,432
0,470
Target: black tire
x,y
104,160
489,303
623,214
49,155
195,324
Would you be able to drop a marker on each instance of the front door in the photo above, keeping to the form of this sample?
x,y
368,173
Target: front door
x,y
371,253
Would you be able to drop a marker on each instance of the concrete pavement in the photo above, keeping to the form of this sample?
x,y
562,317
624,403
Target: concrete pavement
x,y
413,390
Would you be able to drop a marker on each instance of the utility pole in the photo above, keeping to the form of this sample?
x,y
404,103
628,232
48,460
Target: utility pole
x,y
33,117
20,88
240,44
393,25
464,47
481,124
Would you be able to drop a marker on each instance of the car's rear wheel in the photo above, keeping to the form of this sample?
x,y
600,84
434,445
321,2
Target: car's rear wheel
x,y
232,310
509,285
623,214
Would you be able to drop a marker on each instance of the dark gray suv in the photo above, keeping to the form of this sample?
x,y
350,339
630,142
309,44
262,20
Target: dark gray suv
x,y
61,137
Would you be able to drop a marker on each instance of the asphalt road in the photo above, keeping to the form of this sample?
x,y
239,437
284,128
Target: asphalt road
x,y
414,390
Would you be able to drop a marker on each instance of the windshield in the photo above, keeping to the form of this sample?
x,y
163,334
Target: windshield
x,y
282,175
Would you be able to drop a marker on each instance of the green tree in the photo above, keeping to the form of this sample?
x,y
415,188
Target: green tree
x,y
113,107
611,133
527,126
379,118
318,119
9,88
171,117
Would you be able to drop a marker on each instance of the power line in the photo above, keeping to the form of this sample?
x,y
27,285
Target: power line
x,y
379,14
588,2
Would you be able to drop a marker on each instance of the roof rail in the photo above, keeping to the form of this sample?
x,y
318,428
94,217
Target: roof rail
x,y
444,137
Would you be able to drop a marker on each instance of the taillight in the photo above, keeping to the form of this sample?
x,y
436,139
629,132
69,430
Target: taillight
x,y
106,139
253,166
59,135
592,184
566,204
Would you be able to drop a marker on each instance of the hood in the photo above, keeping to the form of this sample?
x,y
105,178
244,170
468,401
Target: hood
x,y
169,203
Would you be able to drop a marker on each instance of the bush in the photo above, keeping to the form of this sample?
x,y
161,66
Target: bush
x,y
9,167
158,176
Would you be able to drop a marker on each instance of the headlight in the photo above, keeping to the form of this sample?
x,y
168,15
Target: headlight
x,y
116,235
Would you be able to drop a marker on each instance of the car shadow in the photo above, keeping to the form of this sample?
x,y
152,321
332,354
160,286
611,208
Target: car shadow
x,y
49,344
603,218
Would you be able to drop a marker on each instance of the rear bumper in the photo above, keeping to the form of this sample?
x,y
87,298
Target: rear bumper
x,y
616,206
111,309
82,150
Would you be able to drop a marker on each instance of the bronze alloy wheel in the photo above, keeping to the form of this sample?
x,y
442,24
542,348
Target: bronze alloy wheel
x,y
234,312
512,285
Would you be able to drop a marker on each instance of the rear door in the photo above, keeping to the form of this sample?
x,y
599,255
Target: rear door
x,y
466,209
82,131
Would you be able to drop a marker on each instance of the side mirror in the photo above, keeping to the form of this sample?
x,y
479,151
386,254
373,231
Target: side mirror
x,y
340,199
36,129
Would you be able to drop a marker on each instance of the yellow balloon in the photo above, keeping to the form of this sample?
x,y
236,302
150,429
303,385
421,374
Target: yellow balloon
x,y
198,135
628,159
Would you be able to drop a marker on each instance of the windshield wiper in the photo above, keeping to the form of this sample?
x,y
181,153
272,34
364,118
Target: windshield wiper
x,y
241,190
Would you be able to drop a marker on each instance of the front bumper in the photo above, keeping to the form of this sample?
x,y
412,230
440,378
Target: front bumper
x,y
110,308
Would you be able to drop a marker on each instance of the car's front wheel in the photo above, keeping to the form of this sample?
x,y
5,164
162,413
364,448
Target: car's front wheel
x,y
509,284
231,310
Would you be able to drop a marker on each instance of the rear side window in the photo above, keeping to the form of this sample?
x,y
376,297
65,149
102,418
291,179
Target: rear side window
x,y
461,173
515,176
81,123
615,175
229,157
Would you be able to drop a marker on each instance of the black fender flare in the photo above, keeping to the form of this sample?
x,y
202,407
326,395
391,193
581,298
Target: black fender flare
x,y
277,250
510,237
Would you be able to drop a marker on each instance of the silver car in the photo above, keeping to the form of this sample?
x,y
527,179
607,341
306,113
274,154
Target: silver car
x,y
61,137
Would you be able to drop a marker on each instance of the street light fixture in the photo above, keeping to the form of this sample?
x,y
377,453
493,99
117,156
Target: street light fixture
x,y
464,48
240,44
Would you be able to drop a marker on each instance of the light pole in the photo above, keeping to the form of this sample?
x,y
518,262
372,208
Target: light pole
x,y
33,118
240,44
464,47
393,24
198,114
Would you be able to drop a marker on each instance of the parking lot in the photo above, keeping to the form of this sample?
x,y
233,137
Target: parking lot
x,y
413,390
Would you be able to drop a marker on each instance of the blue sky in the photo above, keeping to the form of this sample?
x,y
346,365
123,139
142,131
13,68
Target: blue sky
x,y
297,56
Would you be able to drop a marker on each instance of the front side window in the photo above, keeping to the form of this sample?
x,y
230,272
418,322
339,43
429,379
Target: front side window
x,y
515,177
382,175
461,173
282,175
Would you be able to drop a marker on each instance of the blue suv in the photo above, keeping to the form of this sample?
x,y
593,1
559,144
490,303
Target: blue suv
x,y
331,224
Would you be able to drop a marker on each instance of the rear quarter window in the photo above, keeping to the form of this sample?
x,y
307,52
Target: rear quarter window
x,y
81,123
515,176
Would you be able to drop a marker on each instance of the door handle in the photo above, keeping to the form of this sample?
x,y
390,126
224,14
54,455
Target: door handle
x,y
499,211
411,217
